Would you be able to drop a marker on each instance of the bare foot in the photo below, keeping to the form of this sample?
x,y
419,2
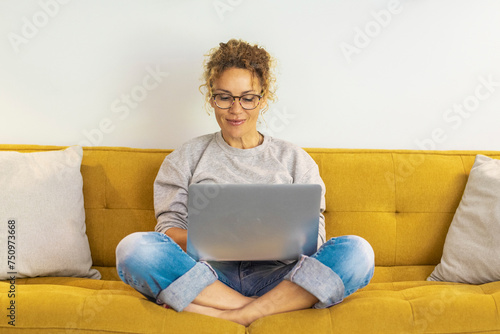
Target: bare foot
x,y
238,315
285,297
241,303
237,305
220,296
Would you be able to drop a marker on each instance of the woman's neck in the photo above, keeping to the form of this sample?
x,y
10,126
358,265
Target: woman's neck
x,y
245,142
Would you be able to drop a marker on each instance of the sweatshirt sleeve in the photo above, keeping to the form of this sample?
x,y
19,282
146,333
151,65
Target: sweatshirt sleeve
x,y
170,194
307,171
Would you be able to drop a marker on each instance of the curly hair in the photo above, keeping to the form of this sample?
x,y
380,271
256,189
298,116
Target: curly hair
x,y
239,54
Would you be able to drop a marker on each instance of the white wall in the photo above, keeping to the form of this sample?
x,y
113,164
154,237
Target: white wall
x,y
352,74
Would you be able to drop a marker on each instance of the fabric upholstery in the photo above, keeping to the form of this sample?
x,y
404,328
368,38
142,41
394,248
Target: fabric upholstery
x,y
401,201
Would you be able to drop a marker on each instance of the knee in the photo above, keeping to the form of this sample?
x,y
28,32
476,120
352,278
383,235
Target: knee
x,y
131,240
353,261
351,258
136,245
130,243
362,251
349,249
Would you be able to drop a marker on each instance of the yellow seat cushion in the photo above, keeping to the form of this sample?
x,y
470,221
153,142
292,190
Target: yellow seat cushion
x,y
398,308
69,305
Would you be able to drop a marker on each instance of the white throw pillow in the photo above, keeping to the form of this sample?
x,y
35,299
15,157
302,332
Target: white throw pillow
x,y
42,217
471,251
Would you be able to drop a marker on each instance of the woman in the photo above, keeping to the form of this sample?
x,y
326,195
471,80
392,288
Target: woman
x,y
239,83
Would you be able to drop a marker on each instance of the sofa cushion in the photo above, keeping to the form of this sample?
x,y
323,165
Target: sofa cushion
x,y
72,305
472,248
42,217
398,308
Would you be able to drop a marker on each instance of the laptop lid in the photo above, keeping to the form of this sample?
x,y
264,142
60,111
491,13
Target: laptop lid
x,y
252,222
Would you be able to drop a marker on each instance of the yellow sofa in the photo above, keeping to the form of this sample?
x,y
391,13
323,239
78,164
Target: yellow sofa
x,y
401,201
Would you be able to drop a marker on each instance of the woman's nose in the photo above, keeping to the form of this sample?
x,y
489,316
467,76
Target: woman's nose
x,y
236,107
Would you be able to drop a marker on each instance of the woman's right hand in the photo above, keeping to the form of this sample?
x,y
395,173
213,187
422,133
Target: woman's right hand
x,y
178,235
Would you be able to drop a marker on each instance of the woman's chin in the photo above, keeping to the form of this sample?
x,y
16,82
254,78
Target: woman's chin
x,y
232,134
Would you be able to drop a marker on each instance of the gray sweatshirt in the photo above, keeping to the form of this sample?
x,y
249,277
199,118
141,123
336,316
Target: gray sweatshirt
x,y
209,159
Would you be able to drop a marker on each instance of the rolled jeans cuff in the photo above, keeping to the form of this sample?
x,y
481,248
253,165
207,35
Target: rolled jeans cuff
x,y
319,280
184,290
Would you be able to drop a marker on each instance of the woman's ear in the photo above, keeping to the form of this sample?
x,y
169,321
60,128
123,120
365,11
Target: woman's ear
x,y
263,105
212,102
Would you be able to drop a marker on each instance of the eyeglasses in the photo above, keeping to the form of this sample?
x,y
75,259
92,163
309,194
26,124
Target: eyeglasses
x,y
247,101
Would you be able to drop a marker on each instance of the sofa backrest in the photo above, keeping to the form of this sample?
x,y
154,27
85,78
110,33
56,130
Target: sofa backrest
x,y
401,201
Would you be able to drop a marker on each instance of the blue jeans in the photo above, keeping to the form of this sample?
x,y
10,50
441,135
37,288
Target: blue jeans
x,y
157,267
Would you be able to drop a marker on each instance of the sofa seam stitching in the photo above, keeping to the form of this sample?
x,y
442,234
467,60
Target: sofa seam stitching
x,y
395,211
496,307
409,302
331,323
6,147
494,301
402,151
359,211
106,180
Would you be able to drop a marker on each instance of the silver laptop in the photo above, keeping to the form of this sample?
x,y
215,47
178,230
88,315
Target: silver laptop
x,y
252,222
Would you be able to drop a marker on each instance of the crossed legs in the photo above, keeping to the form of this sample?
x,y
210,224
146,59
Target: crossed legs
x,y
158,268
286,296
